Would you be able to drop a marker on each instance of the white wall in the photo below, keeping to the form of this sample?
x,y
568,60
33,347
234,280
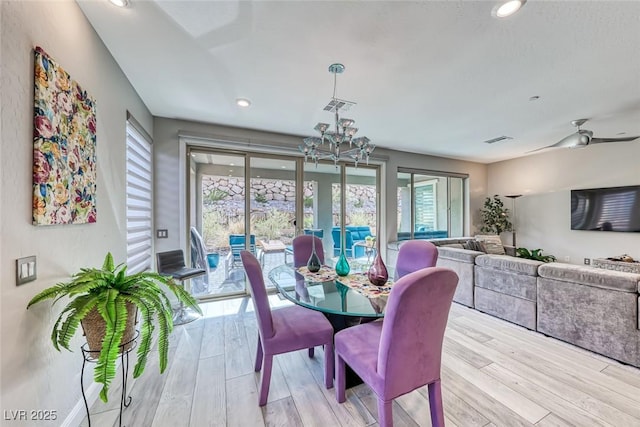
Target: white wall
x,y
33,374
167,190
545,180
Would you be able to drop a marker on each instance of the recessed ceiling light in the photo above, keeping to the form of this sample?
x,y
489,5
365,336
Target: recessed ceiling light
x,y
509,8
120,3
231,164
243,102
283,167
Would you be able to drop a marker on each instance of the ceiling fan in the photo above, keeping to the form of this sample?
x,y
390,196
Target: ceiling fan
x,y
584,137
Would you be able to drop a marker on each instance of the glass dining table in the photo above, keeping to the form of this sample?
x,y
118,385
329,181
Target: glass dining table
x,y
343,303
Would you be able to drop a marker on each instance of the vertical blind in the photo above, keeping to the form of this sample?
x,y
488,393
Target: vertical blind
x,y
425,204
139,201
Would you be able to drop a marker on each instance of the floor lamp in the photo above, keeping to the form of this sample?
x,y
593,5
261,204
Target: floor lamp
x,y
513,198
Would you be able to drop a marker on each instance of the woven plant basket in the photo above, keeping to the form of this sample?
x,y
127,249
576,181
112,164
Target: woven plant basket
x,y
94,327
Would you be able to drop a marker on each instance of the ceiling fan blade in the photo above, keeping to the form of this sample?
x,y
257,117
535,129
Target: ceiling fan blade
x,y
575,140
603,140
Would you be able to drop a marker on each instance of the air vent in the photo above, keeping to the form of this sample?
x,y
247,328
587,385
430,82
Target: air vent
x,y
339,105
498,139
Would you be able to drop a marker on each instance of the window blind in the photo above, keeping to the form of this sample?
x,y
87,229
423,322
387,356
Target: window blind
x,y
425,207
139,201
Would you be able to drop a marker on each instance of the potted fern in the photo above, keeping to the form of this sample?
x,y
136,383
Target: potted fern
x,y
104,301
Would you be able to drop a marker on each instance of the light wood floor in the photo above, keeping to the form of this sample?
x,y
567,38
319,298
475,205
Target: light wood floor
x,y
494,374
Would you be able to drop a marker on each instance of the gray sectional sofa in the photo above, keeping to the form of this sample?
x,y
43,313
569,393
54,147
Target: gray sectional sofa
x,y
505,287
592,308
462,261
589,307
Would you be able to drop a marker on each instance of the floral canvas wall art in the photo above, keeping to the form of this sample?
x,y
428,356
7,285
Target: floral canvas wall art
x,y
64,147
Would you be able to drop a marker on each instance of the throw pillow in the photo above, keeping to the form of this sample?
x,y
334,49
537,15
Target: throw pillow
x,y
473,245
491,244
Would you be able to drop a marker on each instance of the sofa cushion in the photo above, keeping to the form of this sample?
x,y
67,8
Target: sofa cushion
x,y
517,310
454,245
606,279
463,255
490,243
506,282
509,263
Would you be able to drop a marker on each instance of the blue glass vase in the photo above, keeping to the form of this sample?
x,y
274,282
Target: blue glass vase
x,y
342,267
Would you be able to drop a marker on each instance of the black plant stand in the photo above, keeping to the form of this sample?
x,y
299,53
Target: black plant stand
x,y
92,356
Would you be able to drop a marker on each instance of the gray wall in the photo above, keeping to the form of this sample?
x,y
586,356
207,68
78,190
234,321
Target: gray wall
x,y
34,375
167,190
546,179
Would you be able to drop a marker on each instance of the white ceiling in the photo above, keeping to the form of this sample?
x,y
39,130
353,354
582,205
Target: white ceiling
x,y
434,77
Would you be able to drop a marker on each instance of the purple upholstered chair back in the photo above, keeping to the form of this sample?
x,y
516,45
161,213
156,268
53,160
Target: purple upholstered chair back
x,y
258,293
302,249
410,348
415,255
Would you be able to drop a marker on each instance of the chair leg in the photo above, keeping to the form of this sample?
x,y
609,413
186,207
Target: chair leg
x,y
259,356
266,379
385,413
328,364
311,352
340,379
435,403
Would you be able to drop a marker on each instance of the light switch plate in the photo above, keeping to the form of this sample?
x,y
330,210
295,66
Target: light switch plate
x,y
162,233
26,270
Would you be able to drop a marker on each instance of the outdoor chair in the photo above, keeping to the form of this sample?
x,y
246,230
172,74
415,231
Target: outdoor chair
x,y
404,352
284,330
237,245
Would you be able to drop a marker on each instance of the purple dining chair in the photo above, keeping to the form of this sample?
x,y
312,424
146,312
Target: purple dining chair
x,y
404,352
302,249
284,330
415,255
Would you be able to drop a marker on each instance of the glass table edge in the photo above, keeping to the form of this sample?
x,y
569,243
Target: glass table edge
x,y
286,295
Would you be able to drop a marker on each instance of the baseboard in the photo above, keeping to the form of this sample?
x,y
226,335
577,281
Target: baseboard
x,y
79,412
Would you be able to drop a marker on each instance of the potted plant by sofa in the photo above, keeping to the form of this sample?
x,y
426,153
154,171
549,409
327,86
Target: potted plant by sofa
x,y
104,301
495,217
534,254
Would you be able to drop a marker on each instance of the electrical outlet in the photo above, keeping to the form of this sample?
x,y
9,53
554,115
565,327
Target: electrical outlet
x,y
26,270
587,261
162,233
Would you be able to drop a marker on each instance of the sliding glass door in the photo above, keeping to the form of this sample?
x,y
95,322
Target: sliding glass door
x,y
273,209
337,215
430,205
218,221
259,202
239,201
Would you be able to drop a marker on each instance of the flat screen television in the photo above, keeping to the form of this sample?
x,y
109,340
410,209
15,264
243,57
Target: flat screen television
x,y
606,209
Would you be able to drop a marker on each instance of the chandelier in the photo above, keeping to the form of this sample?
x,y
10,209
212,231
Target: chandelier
x,y
332,144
